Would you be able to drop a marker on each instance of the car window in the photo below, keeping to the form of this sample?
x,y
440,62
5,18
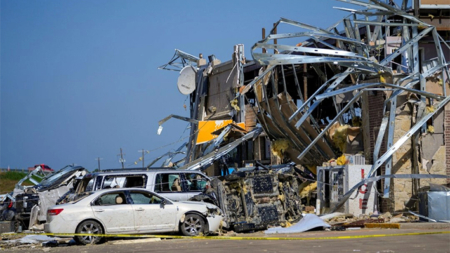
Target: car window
x,y
123,181
196,182
90,185
59,176
113,182
145,198
135,181
114,198
168,182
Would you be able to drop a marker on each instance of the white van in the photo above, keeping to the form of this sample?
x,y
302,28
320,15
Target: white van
x,y
178,185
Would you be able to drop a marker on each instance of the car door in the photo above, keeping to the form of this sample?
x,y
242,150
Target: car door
x,y
153,213
114,212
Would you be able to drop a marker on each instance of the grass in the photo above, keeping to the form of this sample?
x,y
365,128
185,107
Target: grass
x,y
13,175
9,179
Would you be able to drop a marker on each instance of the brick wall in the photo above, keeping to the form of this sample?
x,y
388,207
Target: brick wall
x,y
447,139
376,104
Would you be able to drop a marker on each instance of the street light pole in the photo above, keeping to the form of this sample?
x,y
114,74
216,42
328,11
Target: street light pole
x,y
121,160
143,153
98,159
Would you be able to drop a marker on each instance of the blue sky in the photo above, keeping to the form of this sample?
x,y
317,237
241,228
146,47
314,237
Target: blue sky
x,y
79,79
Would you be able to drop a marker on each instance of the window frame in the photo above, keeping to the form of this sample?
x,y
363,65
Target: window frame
x,y
159,174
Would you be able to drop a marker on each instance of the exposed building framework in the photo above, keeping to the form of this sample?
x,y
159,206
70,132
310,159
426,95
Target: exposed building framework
x,y
302,94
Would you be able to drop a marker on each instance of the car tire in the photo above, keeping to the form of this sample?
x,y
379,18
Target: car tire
x,y
89,227
192,225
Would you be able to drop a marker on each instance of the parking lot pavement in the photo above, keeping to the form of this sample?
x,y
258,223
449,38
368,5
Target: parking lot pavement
x,y
365,240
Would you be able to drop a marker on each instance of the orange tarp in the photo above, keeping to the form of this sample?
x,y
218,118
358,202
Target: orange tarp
x,y
206,128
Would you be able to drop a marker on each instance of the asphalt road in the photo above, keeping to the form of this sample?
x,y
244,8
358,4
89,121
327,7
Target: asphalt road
x,y
346,243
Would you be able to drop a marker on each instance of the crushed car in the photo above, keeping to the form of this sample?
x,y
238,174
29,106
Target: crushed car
x,y
257,197
130,211
27,205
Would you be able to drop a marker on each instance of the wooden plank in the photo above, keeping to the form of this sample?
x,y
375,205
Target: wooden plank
x,y
286,109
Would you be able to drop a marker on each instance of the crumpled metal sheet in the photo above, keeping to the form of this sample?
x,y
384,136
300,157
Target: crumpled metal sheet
x,y
208,159
308,222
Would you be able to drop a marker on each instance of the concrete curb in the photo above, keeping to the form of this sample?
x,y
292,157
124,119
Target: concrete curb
x,y
413,225
425,225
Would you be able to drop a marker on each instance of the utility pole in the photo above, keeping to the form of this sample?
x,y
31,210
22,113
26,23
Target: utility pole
x,y
121,160
98,159
143,153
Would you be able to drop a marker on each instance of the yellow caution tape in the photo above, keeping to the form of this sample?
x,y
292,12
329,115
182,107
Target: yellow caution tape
x,y
234,237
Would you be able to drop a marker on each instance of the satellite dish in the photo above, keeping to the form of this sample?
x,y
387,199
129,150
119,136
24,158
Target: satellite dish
x,y
186,80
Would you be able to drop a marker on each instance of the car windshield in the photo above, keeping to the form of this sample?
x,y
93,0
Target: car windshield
x,y
64,172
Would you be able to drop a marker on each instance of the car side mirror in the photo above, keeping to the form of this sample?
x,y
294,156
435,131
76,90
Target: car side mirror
x,y
163,203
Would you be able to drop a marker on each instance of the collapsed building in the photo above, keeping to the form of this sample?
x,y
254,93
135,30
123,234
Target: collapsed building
x,y
372,94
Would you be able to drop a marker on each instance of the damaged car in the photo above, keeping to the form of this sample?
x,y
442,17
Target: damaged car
x,y
131,211
31,203
257,197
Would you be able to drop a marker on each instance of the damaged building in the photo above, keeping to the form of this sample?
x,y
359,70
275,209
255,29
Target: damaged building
x,y
368,91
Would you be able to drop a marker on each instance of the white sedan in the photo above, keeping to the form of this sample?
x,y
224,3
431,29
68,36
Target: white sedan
x,y
130,211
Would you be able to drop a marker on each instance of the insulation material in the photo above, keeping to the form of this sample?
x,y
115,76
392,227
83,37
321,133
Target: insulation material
x,y
342,160
234,104
430,109
344,135
382,79
340,137
332,129
279,147
305,192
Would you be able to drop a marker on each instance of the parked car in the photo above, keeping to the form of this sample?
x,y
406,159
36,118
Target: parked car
x,y
178,185
130,211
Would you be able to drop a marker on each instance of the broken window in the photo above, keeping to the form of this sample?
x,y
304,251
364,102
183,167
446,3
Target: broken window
x,y
145,198
124,181
85,185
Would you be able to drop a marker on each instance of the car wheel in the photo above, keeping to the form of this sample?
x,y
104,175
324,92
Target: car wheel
x,y
192,225
89,227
